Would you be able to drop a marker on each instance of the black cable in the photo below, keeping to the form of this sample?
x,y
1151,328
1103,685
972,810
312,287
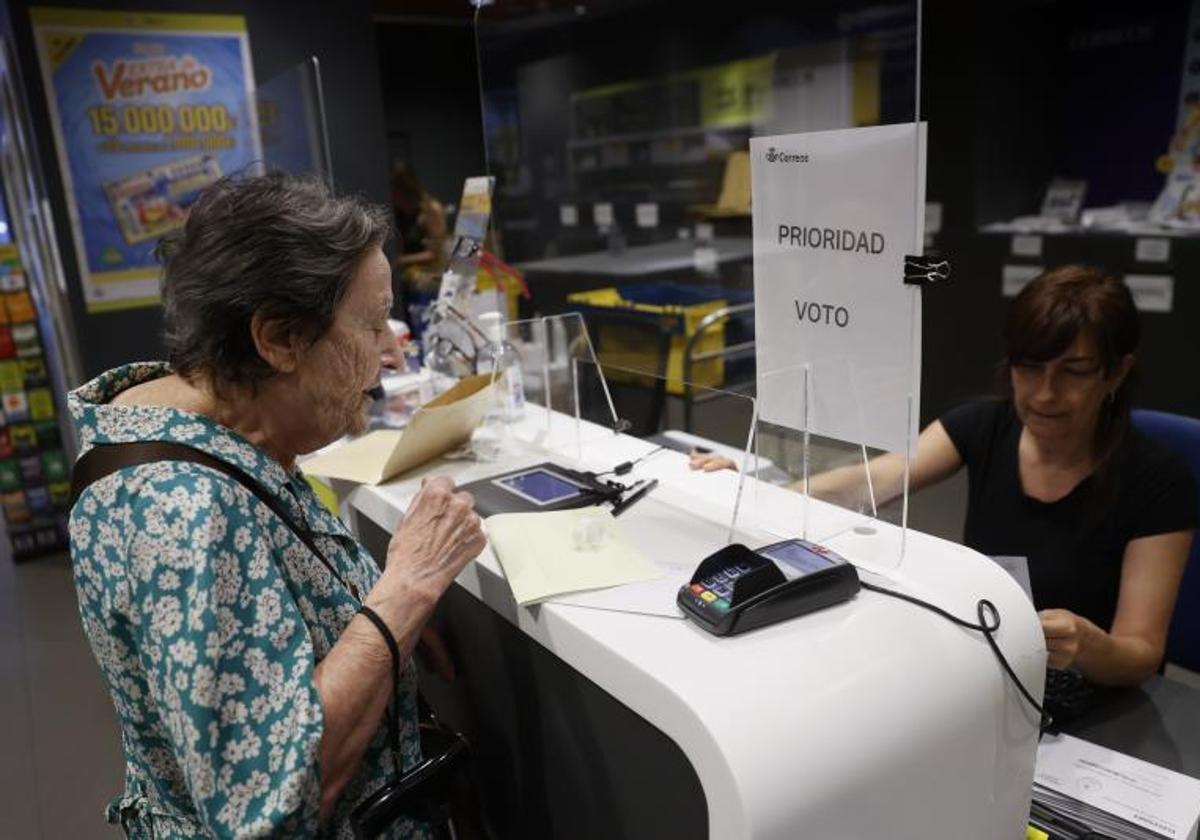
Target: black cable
x,y
983,609
393,713
625,466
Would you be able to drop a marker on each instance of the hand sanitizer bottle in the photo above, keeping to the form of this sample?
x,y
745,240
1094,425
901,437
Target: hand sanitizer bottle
x,y
503,358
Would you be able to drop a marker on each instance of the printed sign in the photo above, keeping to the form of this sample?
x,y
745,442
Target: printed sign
x,y
1027,245
602,214
835,213
647,214
1064,200
1152,292
475,208
1014,277
147,111
1152,250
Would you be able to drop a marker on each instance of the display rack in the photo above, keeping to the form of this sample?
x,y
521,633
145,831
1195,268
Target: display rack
x,y
35,486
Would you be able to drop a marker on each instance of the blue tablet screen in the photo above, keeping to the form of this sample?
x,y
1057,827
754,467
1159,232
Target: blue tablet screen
x,y
540,486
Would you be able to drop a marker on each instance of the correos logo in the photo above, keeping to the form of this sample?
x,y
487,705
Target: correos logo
x,y
776,156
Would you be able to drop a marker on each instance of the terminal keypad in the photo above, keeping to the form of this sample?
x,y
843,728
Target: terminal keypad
x,y
716,590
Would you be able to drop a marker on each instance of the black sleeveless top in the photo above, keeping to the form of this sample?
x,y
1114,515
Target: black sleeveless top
x,y
1075,545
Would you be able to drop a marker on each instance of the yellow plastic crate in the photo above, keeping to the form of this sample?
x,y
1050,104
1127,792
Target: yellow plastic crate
x,y
623,348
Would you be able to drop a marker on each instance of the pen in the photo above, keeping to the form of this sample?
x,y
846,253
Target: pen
x,y
621,506
625,466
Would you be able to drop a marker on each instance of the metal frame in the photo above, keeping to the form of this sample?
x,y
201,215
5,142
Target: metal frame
x,y
597,318
690,358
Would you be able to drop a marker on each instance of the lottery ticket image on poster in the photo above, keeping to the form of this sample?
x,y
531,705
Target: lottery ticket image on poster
x,y
153,202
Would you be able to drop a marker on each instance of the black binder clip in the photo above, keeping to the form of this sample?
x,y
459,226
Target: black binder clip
x,y
925,271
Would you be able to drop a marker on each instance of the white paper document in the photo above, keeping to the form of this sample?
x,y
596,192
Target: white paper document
x,y
1157,801
838,331
1018,568
672,544
550,553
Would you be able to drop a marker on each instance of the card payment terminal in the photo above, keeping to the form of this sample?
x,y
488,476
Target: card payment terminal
x,y
738,589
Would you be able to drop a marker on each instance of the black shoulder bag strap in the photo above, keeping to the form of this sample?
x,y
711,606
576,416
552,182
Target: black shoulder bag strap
x,y
105,459
418,793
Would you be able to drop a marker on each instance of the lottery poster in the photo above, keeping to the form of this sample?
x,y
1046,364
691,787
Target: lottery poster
x,y
148,109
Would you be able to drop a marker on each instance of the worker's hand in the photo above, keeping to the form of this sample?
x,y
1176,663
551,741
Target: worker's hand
x,y
440,534
709,461
1066,636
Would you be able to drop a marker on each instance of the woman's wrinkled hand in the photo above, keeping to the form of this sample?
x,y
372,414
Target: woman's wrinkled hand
x,y
440,534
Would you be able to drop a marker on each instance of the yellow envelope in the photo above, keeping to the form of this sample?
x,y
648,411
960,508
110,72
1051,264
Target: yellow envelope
x,y
436,427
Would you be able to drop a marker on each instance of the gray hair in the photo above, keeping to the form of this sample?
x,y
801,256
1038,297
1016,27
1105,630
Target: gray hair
x,y
278,245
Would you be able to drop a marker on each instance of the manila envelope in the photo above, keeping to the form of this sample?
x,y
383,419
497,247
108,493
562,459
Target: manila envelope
x,y
436,427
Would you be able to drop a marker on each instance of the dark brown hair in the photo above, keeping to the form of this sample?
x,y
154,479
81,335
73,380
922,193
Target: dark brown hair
x,y
280,245
1063,303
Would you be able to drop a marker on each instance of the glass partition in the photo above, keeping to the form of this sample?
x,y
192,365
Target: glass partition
x,y
618,165
537,374
638,400
623,193
291,121
555,402
686,513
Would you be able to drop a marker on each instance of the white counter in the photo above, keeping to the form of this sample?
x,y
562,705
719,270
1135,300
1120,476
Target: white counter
x,y
872,719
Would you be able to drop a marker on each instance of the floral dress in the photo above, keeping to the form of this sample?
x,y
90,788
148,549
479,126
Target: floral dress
x,y
208,615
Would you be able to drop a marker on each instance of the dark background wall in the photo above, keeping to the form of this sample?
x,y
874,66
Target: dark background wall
x,y
282,34
1016,95
430,83
1063,88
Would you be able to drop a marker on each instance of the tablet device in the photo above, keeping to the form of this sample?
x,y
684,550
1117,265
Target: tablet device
x,y
540,486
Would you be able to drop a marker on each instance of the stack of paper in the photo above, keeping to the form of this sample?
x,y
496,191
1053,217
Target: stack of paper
x,y
553,552
1114,794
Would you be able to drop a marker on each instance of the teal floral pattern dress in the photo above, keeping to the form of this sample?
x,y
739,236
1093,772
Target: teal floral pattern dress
x,y
208,616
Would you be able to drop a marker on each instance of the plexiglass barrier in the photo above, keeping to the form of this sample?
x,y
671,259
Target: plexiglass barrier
x,y
686,513
291,121
623,192
555,402
619,167
845,490
536,370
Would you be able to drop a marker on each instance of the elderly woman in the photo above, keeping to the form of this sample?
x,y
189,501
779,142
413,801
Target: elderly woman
x,y
249,658
1058,475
